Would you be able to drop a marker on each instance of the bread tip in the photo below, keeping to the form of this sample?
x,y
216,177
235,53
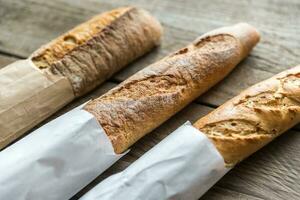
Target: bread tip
x,y
250,30
247,34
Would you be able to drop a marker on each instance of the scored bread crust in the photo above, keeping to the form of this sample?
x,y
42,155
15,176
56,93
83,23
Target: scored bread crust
x,y
93,51
252,119
154,94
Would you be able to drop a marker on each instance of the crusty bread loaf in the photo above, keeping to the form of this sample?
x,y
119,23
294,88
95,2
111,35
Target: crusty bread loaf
x,y
154,94
249,121
96,49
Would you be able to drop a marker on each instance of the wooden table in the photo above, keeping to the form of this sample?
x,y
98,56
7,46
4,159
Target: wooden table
x,y
274,171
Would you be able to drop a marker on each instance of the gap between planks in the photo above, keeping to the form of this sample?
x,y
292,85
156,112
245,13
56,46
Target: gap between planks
x,y
12,55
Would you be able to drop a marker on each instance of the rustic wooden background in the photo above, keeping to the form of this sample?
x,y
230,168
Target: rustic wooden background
x,y
271,173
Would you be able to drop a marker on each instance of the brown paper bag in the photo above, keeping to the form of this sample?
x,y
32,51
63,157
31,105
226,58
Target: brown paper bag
x,y
27,97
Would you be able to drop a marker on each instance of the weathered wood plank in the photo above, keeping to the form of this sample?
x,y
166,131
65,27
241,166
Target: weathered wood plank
x,y
271,173
226,194
5,60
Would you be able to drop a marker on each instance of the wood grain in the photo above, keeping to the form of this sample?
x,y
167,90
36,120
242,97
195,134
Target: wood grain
x,y
5,60
273,172
225,194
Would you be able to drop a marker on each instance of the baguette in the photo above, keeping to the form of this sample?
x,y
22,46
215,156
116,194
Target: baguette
x,y
71,65
255,117
91,52
154,94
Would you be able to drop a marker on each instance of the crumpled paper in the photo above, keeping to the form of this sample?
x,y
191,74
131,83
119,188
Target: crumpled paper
x,y
183,166
57,160
27,97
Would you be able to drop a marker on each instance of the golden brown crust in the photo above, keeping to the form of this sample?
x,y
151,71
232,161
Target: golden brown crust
x,y
151,96
252,119
91,52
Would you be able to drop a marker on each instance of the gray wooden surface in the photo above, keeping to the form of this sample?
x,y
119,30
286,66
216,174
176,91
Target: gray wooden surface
x,y
271,173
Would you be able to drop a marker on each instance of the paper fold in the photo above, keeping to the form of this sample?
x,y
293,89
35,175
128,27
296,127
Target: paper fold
x,y
27,97
57,160
183,166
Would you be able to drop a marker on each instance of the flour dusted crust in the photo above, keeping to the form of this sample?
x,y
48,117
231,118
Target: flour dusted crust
x,y
93,51
154,94
249,121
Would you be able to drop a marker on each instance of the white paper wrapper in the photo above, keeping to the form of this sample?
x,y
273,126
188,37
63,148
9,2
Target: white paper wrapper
x,y
183,166
57,160
27,97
